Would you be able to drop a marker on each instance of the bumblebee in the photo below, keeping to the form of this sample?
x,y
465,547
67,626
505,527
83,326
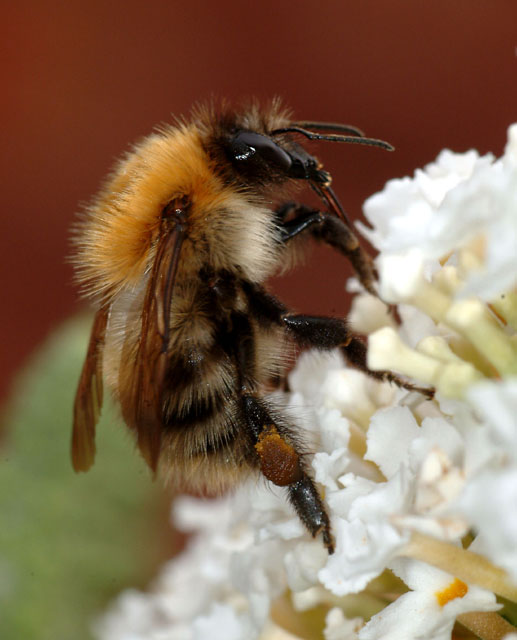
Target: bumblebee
x,y
174,251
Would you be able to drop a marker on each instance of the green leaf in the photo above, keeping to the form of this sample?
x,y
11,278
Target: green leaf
x,y
69,543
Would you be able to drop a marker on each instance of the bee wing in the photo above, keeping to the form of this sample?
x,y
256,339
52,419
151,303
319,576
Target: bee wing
x,y
141,399
88,399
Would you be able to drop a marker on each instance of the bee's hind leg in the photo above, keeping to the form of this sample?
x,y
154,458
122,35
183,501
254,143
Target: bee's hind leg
x,y
282,463
274,445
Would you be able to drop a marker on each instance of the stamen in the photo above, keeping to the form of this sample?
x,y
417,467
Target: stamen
x,y
472,319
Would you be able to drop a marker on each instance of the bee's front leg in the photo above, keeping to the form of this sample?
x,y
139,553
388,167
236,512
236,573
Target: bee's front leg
x,y
295,219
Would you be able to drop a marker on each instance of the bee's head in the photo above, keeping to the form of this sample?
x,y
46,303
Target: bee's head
x,y
263,149
258,150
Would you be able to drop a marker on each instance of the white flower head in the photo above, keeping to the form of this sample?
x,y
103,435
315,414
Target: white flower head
x,y
461,203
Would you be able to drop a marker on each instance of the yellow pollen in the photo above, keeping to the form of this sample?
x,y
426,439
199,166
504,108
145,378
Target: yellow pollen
x,y
456,589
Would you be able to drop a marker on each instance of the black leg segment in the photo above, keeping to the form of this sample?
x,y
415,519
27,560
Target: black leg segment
x,y
295,219
355,352
309,506
282,463
320,332
317,331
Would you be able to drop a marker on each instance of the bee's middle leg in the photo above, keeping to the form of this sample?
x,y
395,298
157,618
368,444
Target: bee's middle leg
x,y
330,333
321,332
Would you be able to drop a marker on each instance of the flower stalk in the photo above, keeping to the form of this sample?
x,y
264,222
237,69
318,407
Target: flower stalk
x,y
487,625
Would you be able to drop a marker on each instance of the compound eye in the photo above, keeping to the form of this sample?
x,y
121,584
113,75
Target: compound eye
x,y
248,147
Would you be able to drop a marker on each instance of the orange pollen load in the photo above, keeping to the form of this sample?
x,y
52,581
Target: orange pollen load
x,y
456,589
279,461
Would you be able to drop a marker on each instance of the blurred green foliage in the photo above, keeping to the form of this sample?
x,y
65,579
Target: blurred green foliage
x,y
68,543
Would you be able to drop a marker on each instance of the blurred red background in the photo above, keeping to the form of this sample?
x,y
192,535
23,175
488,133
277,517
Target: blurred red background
x,y
81,80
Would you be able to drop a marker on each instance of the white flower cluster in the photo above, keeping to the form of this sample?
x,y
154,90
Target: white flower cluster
x,y
422,494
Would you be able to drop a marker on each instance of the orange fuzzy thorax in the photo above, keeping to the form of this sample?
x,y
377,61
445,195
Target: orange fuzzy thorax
x,y
116,237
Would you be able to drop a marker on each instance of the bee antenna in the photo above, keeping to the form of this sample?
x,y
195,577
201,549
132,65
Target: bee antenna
x,y
330,126
372,142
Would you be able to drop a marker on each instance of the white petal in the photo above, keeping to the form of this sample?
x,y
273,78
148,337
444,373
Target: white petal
x,y
497,404
368,313
436,433
303,563
362,553
490,503
347,391
328,468
334,429
222,623
401,275
338,627
389,437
